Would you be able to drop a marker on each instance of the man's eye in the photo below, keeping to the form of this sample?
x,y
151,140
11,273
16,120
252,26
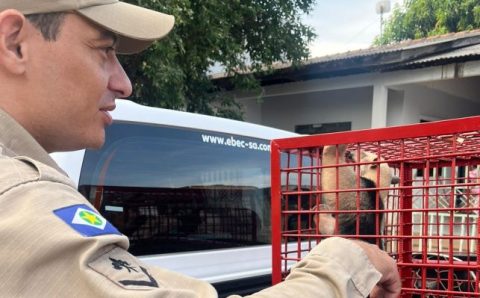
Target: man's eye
x,y
109,50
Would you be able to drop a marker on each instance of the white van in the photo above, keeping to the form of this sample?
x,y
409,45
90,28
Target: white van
x,y
192,192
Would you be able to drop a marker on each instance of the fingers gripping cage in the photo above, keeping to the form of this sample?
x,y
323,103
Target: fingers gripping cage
x,y
412,190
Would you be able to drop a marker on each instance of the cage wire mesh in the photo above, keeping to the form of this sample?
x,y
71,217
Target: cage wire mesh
x,y
425,216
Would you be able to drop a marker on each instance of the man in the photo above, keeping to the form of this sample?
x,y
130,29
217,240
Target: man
x,y
59,77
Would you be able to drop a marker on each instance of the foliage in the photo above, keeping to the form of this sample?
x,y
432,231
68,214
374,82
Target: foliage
x,y
423,18
241,35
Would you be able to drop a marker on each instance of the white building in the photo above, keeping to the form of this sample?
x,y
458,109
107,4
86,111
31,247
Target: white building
x,y
418,80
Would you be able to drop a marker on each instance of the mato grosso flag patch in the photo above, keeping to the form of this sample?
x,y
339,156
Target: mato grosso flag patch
x,y
85,221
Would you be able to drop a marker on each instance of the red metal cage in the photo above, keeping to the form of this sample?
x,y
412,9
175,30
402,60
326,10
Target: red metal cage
x,y
427,221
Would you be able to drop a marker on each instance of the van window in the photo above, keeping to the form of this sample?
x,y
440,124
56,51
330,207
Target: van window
x,y
170,189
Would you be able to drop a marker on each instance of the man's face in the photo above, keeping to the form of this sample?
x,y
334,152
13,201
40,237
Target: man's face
x,y
73,83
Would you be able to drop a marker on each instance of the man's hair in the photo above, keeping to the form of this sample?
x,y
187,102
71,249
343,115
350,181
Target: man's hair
x,y
48,24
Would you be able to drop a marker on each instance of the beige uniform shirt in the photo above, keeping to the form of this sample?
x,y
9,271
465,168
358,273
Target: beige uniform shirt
x,y
54,244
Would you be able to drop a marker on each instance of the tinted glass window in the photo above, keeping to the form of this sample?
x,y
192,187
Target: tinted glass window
x,y
171,189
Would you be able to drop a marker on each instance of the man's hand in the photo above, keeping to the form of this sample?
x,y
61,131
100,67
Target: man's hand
x,y
389,285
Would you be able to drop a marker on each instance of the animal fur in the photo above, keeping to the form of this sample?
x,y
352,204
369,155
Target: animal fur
x,y
382,177
371,174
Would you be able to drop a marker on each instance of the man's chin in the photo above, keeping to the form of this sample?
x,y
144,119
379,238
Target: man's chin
x,y
96,145
92,143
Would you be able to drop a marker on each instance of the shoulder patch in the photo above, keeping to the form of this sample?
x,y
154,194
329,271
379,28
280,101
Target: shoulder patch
x,y
85,221
124,270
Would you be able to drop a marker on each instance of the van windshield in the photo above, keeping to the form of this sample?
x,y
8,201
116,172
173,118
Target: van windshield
x,y
171,189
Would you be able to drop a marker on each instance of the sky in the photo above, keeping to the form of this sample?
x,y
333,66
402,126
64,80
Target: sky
x,y
344,25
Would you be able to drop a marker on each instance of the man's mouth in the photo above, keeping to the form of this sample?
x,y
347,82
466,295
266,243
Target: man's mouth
x,y
106,112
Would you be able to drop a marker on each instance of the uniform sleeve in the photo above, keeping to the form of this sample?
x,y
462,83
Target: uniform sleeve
x,y
54,244
334,268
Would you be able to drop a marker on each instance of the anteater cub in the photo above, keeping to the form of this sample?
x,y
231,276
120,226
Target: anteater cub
x,y
338,159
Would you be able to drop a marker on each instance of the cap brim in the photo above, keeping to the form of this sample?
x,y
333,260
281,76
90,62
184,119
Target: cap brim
x,y
136,27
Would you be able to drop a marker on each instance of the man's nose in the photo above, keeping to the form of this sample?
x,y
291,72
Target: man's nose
x,y
119,81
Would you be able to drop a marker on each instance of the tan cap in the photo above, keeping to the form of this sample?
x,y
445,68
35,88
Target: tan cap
x,y
136,27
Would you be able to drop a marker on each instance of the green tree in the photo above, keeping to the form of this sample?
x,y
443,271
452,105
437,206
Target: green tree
x,y
423,18
244,36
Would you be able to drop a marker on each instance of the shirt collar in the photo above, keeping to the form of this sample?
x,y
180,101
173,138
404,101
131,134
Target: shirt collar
x,y
16,141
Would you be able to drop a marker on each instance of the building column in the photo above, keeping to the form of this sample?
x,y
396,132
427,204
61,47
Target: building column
x,y
379,106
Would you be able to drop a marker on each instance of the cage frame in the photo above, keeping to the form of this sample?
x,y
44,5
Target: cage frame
x,y
396,133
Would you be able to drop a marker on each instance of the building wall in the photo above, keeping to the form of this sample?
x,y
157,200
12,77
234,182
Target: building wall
x,y
395,107
253,110
285,112
430,104
407,104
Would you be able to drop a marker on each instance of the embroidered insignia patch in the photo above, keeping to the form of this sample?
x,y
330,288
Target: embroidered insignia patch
x,y
85,221
124,270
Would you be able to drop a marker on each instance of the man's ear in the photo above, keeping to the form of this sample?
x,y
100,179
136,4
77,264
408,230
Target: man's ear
x,y
13,26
